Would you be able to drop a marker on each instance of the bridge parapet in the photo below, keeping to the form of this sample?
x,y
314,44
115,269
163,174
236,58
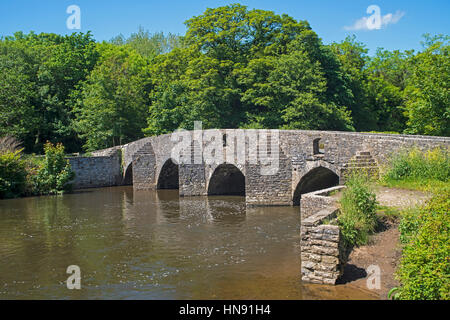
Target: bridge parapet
x,y
306,160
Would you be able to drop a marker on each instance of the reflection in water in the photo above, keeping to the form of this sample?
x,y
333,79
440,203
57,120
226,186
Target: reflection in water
x,y
152,245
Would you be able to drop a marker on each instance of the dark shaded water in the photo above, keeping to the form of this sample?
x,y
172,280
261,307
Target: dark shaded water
x,y
152,245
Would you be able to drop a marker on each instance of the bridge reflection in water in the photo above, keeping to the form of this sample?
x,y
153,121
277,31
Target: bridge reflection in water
x,y
153,245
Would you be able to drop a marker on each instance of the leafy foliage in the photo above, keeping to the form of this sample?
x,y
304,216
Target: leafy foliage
x,y
428,94
148,44
424,270
248,68
38,73
111,104
415,164
55,174
12,174
409,225
357,218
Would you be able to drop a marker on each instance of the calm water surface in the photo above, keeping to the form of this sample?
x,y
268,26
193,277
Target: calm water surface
x,y
153,245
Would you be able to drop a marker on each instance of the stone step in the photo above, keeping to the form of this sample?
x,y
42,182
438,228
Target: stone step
x,y
368,170
362,157
363,153
360,165
363,160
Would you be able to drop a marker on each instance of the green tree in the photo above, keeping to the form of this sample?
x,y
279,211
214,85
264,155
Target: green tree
x,y
427,94
354,59
389,73
149,44
111,105
39,73
232,73
18,103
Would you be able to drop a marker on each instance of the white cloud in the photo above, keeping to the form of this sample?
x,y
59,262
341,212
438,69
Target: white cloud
x,y
362,24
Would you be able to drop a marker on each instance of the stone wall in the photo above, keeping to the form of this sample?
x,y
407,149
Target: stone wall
x,y
316,201
96,172
269,190
321,245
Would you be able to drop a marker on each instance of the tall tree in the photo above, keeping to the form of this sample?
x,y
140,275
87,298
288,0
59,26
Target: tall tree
x,y
428,94
111,105
50,66
388,73
232,59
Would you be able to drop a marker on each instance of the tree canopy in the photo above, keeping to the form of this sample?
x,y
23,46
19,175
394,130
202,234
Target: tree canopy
x,y
234,68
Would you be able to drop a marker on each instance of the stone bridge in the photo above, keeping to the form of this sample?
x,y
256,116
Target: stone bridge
x,y
306,161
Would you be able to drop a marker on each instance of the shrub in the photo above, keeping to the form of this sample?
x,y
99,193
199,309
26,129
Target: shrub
x,y
54,175
424,270
12,174
357,218
415,164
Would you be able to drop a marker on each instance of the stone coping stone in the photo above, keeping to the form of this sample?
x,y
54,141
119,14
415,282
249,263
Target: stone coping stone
x,y
317,218
324,193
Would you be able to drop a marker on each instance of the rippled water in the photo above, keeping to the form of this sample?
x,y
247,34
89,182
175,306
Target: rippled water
x,y
153,245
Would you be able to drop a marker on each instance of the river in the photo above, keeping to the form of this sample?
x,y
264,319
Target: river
x,y
153,245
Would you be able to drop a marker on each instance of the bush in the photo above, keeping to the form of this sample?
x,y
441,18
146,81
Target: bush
x,y
415,164
424,270
12,174
357,218
54,175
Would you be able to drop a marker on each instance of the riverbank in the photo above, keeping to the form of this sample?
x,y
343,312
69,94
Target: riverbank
x,y
383,249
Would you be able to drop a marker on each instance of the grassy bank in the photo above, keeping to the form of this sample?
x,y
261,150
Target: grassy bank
x,y
424,270
417,170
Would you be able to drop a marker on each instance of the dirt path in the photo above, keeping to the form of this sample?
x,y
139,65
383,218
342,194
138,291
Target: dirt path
x,y
383,249
400,198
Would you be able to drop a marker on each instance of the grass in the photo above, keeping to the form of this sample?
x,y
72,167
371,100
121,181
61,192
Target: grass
x,y
357,218
418,170
414,184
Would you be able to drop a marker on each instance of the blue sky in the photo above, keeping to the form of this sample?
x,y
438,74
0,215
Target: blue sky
x,y
405,21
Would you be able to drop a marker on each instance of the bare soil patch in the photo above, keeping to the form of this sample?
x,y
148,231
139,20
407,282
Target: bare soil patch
x,y
400,198
384,251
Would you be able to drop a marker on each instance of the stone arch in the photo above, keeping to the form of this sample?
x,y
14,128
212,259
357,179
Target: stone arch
x,y
317,178
227,179
169,176
128,176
